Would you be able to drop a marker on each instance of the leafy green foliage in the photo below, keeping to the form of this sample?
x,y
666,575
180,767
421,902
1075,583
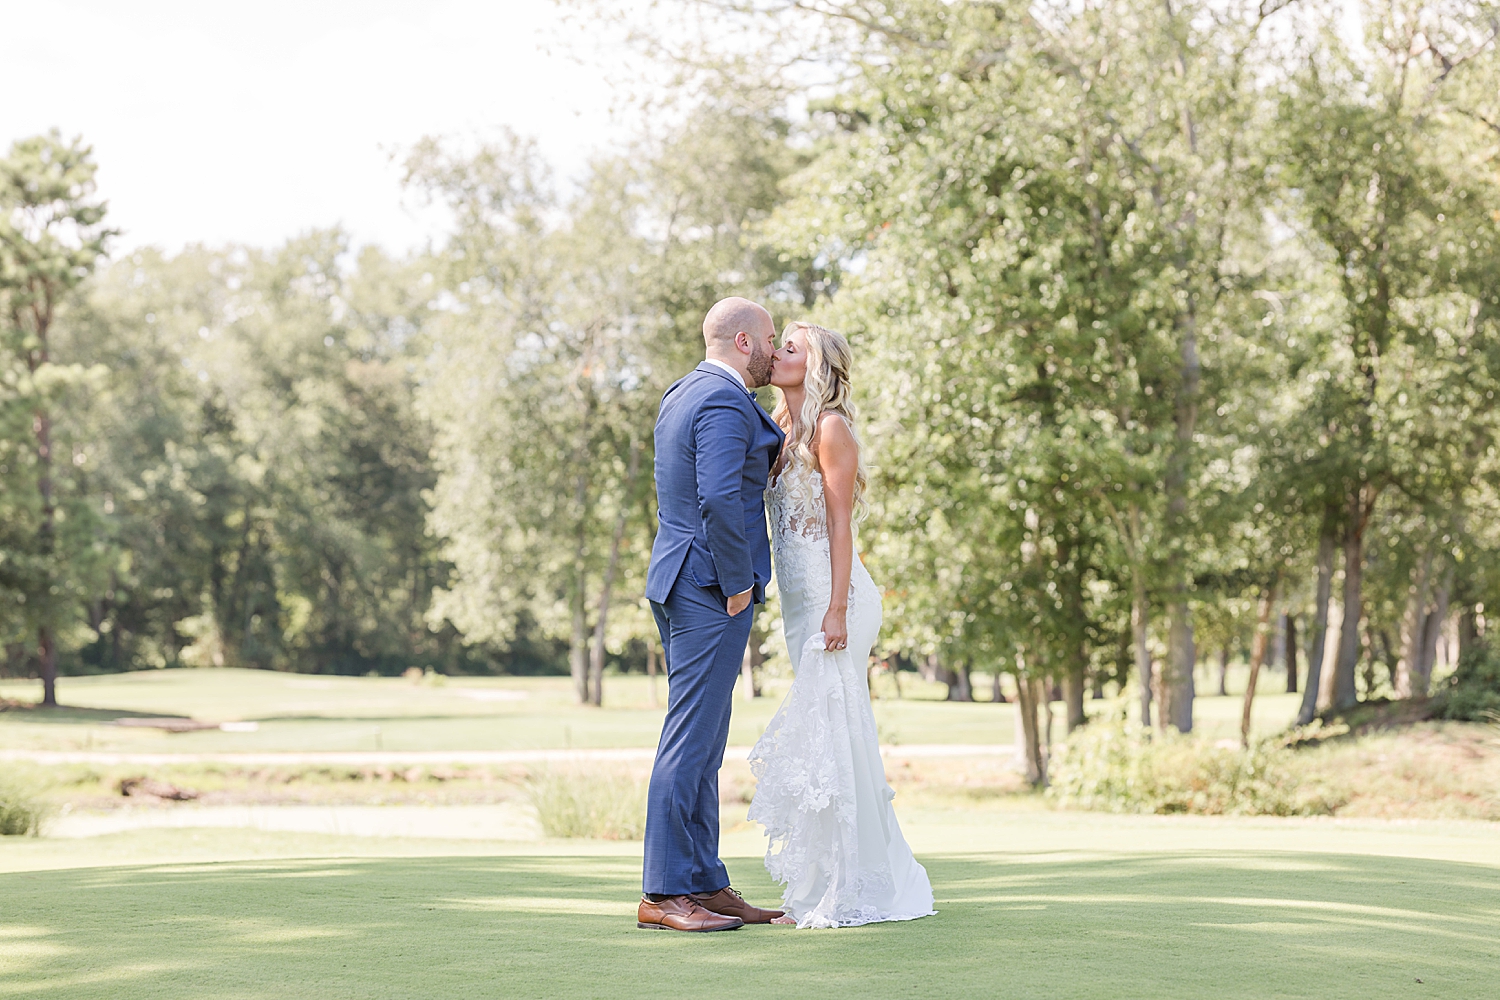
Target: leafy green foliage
x,y
1473,692
52,235
565,319
1117,767
21,810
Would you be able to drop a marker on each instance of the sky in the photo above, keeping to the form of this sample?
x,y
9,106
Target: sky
x,y
217,122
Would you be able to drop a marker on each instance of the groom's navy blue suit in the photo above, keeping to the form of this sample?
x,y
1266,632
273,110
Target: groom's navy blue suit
x,y
714,451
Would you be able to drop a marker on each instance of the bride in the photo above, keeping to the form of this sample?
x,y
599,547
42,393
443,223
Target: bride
x,y
821,792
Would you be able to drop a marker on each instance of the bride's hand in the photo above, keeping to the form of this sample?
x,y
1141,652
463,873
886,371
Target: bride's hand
x,y
835,629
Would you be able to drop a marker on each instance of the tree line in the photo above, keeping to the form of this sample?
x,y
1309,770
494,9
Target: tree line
x,y
1172,322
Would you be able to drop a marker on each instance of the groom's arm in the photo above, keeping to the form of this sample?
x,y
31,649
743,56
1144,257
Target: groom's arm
x,y
722,436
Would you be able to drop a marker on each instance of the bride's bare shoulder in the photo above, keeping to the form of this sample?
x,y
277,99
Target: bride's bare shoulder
x,y
834,429
833,422
835,442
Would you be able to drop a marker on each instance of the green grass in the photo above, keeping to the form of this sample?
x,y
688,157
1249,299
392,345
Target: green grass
x,y
1034,903
1108,923
303,713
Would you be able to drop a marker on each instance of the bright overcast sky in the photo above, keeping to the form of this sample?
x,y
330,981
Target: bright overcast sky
x,y
251,122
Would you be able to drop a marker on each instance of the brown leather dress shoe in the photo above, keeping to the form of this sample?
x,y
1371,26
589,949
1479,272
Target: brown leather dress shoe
x,y
682,913
731,904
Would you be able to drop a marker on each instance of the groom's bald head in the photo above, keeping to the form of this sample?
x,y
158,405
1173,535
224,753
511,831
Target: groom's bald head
x,y
731,317
740,333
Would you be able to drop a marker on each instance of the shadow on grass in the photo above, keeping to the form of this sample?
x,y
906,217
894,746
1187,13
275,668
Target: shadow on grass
x,y
1199,925
66,715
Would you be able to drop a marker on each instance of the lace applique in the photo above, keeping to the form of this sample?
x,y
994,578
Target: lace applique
x,y
796,503
805,794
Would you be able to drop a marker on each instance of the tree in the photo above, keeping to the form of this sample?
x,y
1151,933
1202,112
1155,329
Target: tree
x,y
257,463
52,235
1383,142
1048,244
568,319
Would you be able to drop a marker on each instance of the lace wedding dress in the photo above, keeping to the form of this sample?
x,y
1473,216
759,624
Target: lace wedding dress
x,y
821,792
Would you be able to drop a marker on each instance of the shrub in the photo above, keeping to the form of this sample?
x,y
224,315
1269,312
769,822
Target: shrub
x,y
598,806
1472,694
21,812
1115,767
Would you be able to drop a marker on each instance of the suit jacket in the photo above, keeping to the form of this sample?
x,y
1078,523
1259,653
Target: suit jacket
x,y
714,450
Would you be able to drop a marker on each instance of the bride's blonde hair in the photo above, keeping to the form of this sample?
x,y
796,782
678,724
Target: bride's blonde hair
x,y
826,390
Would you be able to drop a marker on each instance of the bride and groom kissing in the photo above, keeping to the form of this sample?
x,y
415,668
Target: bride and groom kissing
x,y
724,469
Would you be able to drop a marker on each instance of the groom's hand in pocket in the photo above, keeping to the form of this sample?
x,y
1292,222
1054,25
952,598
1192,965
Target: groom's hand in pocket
x,y
738,603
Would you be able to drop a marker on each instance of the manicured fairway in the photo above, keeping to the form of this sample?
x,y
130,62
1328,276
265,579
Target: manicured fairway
x,y
301,713
1188,925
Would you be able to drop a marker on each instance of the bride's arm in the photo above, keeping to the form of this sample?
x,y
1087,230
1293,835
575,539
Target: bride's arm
x,y
838,458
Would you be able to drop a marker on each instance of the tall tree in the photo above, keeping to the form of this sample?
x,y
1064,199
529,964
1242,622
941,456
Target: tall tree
x,y
1383,138
52,235
1050,207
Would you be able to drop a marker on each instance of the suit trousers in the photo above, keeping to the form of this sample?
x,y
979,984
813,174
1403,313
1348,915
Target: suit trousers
x,y
703,648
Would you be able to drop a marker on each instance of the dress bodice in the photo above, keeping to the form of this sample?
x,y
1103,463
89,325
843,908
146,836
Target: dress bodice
x,y
796,505
798,513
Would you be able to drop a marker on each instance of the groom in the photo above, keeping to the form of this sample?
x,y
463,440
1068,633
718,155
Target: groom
x,y
711,561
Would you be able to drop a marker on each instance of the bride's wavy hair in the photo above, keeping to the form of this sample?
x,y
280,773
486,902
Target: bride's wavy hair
x,y
826,390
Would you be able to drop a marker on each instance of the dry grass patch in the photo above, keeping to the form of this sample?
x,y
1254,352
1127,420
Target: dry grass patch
x,y
1430,770
595,805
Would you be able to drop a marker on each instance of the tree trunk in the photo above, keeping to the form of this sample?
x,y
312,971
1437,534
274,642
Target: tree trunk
x,y
1176,704
651,673
750,666
47,531
47,666
597,651
595,692
1074,686
997,694
1139,612
961,690
1176,687
1388,654
1018,729
578,641
578,648
1344,693
1028,695
1257,657
1468,631
747,678
1224,671
1422,673
1289,633
1320,621
1415,622
1045,737
750,663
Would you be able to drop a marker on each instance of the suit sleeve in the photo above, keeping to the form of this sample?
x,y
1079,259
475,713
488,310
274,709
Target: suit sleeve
x,y
722,436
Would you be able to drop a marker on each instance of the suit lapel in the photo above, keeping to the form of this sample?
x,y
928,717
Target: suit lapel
x,y
765,418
